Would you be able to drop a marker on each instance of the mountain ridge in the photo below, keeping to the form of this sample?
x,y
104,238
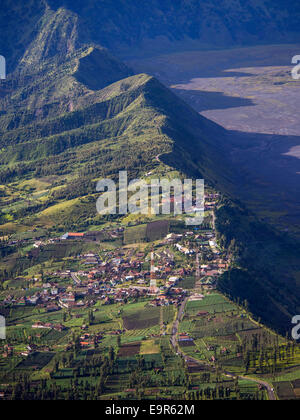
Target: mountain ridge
x,y
215,23
123,27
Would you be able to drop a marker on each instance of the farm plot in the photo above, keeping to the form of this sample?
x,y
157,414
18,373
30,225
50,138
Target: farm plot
x,y
157,230
296,387
134,335
149,347
223,330
188,282
296,383
36,361
229,338
135,234
55,336
285,391
36,233
235,363
101,317
18,315
212,304
148,317
259,333
151,360
188,343
115,383
128,350
168,314
194,367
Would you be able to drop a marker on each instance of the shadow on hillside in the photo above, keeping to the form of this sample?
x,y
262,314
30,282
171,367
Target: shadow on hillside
x,y
268,155
266,174
206,101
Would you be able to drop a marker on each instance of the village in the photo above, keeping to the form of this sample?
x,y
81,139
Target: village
x,y
122,275
137,292
125,275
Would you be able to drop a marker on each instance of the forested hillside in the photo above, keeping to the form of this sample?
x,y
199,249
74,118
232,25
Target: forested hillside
x,y
264,273
129,27
128,24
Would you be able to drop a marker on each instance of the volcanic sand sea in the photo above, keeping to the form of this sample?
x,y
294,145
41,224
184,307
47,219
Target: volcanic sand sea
x,y
251,93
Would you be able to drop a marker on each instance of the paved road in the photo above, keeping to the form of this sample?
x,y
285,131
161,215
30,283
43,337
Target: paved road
x,y
214,221
266,385
197,267
269,388
157,157
176,325
76,279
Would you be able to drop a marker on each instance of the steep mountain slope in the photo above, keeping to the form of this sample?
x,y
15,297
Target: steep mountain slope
x,y
57,121
54,102
19,23
265,271
130,27
137,111
127,24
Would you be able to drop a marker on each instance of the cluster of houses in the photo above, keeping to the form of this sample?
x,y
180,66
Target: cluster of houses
x,y
91,236
211,201
44,299
171,296
121,274
88,340
211,271
185,338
